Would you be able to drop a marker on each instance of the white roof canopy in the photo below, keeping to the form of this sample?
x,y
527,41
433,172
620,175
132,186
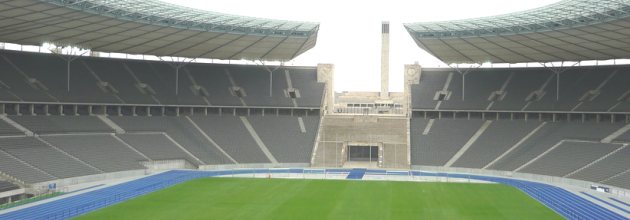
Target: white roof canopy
x,y
154,28
570,30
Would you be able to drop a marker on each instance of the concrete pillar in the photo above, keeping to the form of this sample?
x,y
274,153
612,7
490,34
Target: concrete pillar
x,y
17,109
325,74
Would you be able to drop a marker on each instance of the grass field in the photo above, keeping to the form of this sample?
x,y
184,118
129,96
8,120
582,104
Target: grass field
x,y
237,198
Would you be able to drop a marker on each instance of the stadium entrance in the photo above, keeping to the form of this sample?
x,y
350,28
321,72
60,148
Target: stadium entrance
x,y
362,153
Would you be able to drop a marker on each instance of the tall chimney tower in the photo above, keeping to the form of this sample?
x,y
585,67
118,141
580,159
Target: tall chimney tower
x,y
385,60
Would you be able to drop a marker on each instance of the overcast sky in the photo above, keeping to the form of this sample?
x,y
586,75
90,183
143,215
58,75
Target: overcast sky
x,y
349,35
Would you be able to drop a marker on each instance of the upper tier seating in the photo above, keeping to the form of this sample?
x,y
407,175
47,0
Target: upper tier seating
x,y
34,77
583,89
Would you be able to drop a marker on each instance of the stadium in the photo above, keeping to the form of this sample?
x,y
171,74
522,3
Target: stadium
x,y
144,109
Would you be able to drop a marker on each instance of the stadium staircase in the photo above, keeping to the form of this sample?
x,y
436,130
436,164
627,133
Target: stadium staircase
x,y
337,131
565,203
356,174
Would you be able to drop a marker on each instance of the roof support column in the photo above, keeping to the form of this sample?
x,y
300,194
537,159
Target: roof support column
x,y
271,75
558,70
464,73
71,56
177,64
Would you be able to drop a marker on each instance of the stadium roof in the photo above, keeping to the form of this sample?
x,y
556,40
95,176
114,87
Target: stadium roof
x,y
152,27
569,30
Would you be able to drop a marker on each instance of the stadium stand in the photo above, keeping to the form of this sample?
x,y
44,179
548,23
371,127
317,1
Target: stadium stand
x,y
8,130
180,130
622,179
256,82
565,149
62,124
114,73
493,142
605,168
7,186
624,137
568,157
71,146
44,157
550,135
295,146
102,151
21,170
156,146
102,80
444,139
582,89
230,133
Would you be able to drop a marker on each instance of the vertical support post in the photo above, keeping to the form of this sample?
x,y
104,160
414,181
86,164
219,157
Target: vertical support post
x,y
16,107
270,84
464,86
557,86
177,80
68,76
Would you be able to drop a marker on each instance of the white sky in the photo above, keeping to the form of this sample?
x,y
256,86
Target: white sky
x,y
349,35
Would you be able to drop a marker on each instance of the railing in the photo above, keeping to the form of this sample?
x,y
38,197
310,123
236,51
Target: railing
x,y
35,198
370,111
92,178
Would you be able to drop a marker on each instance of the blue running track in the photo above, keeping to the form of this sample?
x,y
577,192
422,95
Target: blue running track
x,y
569,205
606,202
619,201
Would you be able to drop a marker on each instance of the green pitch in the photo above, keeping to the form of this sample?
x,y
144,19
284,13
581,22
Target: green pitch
x,y
236,198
